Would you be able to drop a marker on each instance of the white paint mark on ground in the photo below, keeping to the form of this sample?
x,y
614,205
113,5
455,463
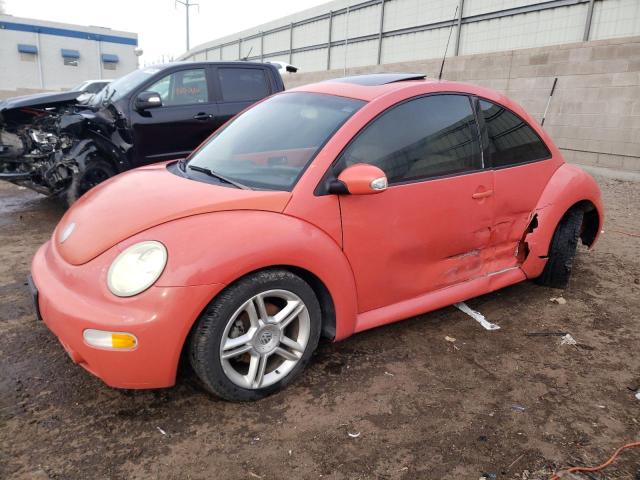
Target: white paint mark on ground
x,y
477,316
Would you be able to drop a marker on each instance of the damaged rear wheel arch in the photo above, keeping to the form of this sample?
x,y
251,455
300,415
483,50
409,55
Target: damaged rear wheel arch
x,y
590,221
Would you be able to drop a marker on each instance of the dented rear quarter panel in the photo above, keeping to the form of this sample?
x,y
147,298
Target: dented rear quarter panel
x,y
568,186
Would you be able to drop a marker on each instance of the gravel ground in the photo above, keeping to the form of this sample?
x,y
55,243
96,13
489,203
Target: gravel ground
x,y
499,402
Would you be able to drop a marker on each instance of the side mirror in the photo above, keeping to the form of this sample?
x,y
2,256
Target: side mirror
x,y
362,179
148,100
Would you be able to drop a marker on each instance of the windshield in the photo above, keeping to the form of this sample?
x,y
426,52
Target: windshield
x,y
269,145
122,86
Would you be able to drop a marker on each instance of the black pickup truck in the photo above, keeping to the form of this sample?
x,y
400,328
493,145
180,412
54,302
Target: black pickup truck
x,y
63,148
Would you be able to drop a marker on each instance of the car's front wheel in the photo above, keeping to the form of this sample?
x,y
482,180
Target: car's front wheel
x,y
95,172
256,336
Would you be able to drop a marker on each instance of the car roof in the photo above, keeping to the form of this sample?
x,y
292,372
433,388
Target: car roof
x,y
373,86
237,63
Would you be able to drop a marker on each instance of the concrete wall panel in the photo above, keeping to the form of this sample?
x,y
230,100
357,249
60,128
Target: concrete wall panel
x,y
546,27
277,41
615,18
313,33
408,13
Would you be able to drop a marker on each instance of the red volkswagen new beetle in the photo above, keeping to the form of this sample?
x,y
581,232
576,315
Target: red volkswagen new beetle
x,y
325,210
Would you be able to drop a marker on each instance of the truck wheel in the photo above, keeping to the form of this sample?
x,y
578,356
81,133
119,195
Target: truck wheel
x,y
562,251
256,336
96,171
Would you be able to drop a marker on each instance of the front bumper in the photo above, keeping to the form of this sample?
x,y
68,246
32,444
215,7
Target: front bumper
x,y
71,299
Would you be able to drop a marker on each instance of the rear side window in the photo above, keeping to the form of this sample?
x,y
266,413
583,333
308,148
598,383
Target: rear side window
x,y
242,84
511,140
418,139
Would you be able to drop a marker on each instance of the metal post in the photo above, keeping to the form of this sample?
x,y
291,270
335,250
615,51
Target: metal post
x,y
262,46
40,73
291,43
380,31
240,49
456,50
99,47
346,41
329,40
187,4
587,23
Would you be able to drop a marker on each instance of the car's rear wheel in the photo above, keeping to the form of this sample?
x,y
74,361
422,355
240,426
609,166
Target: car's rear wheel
x,y
256,336
95,172
562,251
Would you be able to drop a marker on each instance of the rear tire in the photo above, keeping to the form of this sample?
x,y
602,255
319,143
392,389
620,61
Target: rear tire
x,y
256,336
95,172
562,251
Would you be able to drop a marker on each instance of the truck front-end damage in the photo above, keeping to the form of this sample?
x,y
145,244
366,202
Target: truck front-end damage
x,y
47,147
32,151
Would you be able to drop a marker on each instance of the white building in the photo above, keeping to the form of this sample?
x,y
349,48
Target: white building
x,y
41,55
390,31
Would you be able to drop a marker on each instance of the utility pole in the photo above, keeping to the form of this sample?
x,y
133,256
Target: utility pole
x,y
187,4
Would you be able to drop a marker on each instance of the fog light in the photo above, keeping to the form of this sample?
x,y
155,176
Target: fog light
x,y
114,340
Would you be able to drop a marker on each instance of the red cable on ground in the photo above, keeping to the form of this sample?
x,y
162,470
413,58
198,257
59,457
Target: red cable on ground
x,y
599,467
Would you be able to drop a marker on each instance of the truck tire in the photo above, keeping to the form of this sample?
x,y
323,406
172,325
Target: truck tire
x,y
96,171
562,251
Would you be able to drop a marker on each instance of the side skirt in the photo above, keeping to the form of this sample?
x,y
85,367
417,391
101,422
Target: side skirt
x,y
439,298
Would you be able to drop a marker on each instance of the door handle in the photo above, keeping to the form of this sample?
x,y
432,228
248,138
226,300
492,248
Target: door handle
x,y
202,116
485,194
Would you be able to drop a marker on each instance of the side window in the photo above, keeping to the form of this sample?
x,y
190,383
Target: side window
x,y
186,87
242,84
422,138
511,139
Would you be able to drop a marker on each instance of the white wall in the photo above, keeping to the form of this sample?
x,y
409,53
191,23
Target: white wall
x,y
539,23
16,73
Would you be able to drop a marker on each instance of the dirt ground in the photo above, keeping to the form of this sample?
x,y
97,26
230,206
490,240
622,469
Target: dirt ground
x,y
419,407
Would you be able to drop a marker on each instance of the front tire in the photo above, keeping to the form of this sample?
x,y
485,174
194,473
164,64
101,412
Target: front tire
x,y
95,172
562,251
256,336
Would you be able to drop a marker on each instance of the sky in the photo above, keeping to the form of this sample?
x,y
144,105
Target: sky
x,y
160,24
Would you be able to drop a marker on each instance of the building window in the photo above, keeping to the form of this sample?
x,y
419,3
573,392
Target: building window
x,y
109,61
27,52
70,57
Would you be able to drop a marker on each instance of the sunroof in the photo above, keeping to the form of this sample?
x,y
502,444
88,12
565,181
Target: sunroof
x,y
379,78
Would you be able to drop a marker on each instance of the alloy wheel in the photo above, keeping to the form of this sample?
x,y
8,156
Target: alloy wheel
x,y
265,339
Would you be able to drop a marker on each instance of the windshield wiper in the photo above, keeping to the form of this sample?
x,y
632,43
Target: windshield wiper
x,y
213,174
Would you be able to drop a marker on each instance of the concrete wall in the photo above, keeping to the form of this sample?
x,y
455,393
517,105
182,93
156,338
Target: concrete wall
x,y
391,31
594,116
46,69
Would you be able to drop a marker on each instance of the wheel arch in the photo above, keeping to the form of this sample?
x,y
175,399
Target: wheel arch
x,y
570,187
235,251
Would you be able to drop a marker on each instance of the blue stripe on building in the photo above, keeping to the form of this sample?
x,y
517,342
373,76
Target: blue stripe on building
x,y
63,32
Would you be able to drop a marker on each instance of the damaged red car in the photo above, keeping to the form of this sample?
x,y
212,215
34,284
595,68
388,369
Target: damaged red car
x,y
325,210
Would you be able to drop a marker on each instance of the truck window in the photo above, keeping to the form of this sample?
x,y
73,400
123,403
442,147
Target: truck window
x,y
242,84
185,87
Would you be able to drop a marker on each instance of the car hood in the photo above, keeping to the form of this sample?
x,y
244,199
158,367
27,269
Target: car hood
x,y
143,198
39,100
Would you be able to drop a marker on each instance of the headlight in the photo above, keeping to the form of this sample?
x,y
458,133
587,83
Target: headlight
x,y
137,268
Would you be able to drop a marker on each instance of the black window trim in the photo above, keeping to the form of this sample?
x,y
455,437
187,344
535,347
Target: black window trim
x,y
481,123
331,174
